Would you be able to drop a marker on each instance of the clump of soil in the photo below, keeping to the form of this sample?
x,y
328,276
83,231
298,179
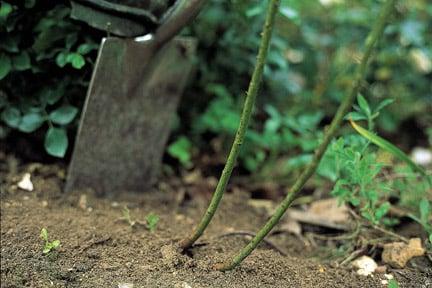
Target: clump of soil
x,y
99,250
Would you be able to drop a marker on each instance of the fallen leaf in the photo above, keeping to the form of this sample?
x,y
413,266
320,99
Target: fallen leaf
x,y
325,213
397,254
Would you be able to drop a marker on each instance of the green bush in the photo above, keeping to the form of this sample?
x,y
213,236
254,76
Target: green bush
x,y
310,68
45,64
46,60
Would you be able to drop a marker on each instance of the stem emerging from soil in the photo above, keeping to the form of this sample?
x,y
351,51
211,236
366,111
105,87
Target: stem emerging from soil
x,y
343,109
241,131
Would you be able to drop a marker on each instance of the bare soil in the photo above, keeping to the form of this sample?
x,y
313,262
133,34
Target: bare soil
x,y
99,250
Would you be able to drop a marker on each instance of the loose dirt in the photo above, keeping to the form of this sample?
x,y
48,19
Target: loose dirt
x,y
98,249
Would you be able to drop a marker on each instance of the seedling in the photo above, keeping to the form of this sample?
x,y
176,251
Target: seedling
x,y
126,217
152,221
49,246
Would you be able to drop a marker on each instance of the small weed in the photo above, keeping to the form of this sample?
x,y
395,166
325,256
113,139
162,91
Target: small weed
x,y
152,221
393,284
49,246
126,217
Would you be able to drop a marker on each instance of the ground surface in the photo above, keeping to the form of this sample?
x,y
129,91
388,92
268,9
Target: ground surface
x,y
98,250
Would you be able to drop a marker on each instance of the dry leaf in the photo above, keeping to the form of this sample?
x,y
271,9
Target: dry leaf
x,y
397,254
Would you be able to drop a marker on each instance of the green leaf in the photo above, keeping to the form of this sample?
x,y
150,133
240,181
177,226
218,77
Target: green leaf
x,y
152,221
5,10
11,116
10,44
85,48
21,61
56,142
382,210
5,65
31,122
364,106
77,61
61,59
181,150
44,234
55,244
424,207
63,115
387,146
51,95
383,104
392,284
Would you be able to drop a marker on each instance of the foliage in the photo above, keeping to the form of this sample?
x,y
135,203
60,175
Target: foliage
x,y
48,246
392,283
181,150
45,61
377,140
310,68
152,221
359,175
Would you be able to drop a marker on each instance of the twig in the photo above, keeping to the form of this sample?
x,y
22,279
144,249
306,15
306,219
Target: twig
x,y
352,256
339,237
390,233
250,235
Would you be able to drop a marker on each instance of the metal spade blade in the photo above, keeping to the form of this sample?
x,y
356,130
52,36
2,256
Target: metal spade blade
x,y
133,95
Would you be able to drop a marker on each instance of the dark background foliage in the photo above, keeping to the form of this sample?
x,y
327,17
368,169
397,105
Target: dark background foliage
x,y
46,61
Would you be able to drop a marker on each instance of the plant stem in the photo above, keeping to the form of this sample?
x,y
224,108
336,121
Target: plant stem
x,y
241,131
343,109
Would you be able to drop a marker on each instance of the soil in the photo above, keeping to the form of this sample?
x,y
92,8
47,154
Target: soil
x,y
98,249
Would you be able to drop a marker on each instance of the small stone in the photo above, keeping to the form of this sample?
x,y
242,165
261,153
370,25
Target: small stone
x,y
44,203
125,285
421,156
366,265
397,254
26,183
381,269
82,202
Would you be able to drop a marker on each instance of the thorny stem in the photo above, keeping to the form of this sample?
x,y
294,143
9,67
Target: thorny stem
x,y
244,120
343,109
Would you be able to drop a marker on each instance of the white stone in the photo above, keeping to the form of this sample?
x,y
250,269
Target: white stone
x,y
421,156
366,265
26,183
